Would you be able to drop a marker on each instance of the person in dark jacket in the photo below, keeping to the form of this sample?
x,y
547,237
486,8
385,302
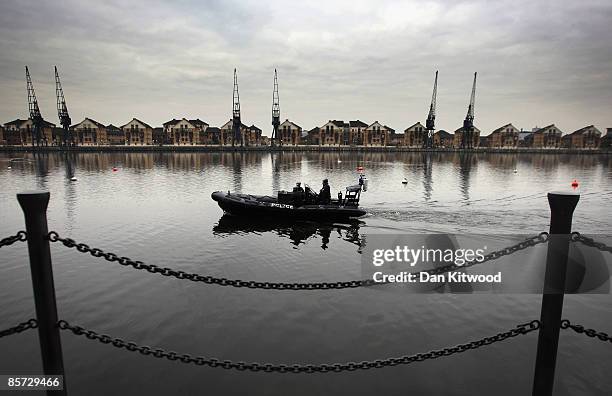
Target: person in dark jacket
x,y
298,194
325,193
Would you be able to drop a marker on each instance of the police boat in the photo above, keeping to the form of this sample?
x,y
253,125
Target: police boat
x,y
296,204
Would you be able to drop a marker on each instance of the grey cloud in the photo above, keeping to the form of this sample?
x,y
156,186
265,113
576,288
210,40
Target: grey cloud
x,y
538,62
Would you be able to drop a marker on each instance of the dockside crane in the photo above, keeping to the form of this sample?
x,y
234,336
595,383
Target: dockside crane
x,y
34,111
467,137
62,112
275,112
430,124
237,134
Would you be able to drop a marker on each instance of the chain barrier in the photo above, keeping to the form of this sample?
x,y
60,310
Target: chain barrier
x,y
29,324
165,271
298,368
566,324
9,240
577,237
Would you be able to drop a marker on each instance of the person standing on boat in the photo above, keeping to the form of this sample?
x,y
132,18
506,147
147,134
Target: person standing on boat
x,y
325,193
298,194
298,188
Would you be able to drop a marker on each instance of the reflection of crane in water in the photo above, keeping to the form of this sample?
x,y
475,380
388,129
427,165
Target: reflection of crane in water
x,y
277,158
70,194
427,179
275,113
237,171
42,170
465,167
431,117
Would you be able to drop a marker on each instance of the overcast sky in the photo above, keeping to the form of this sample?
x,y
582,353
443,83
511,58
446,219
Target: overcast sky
x,y
538,62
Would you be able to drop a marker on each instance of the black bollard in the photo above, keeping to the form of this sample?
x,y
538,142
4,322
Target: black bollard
x,y
34,205
562,207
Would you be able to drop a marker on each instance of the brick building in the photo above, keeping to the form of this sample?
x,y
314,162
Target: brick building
x,y
588,137
506,136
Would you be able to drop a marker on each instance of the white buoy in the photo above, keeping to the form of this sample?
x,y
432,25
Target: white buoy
x,y
516,171
339,161
405,181
73,178
10,167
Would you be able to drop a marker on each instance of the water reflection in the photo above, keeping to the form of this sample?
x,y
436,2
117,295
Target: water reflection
x,y
465,167
42,169
237,172
427,180
70,188
297,232
276,161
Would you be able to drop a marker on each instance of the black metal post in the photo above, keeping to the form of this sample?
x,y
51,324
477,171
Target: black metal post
x,y
34,205
562,207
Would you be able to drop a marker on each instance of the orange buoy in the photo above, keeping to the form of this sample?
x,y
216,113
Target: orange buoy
x,y
575,184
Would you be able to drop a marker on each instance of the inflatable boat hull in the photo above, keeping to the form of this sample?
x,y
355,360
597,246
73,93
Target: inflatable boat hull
x,y
255,205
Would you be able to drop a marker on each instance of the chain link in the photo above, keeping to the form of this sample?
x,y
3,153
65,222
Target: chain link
x,y
577,237
297,368
23,326
9,240
566,324
165,271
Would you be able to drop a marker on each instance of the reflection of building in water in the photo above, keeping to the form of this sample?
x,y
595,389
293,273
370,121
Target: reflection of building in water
x,y
299,233
138,160
501,161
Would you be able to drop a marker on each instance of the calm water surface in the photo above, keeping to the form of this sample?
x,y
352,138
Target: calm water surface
x,y
157,208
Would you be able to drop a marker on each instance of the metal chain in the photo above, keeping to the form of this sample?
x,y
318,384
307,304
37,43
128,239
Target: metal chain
x,y
165,271
566,324
29,324
577,237
9,240
298,368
